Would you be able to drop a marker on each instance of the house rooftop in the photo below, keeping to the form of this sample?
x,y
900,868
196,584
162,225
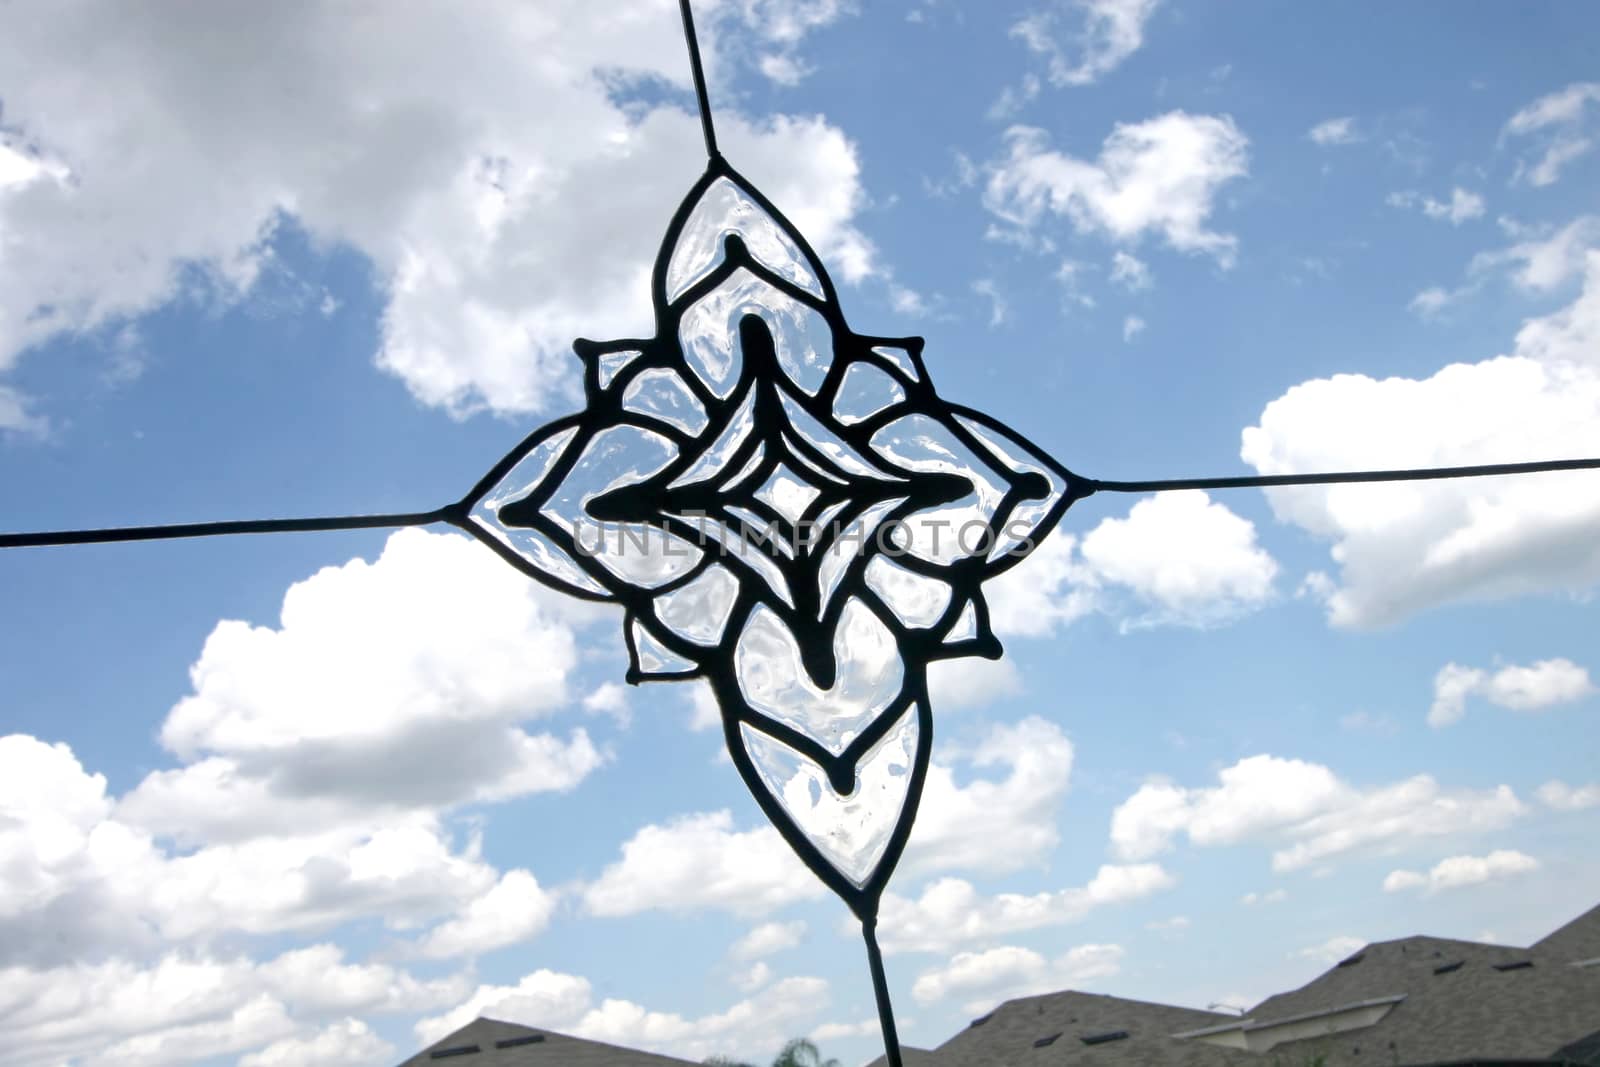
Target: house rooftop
x,y
493,1043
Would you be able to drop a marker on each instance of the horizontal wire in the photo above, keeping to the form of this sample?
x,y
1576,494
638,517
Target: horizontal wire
x,y
1420,474
453,513
215,529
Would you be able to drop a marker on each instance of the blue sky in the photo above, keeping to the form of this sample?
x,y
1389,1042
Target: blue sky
x,y
319,798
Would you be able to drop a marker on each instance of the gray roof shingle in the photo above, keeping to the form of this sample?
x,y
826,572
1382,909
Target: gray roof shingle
x,y
1008,1036
554,1050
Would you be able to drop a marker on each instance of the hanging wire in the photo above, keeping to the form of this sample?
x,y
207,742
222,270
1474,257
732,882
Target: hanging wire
x,y
699,81
453,513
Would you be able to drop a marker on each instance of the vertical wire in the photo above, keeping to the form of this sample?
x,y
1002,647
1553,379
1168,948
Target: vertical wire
x,y
880,989
699,81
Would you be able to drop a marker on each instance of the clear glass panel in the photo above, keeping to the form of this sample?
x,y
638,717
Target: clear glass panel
x,y
732,547
661,393
654,658
828,443
865,391
612,362
748,469
758,530
635,552
531,471
698,612
1027,515
966,625
709,332
775,682
852,831
723,210
900,358
538,550
852,543
787,493
916,599
944,534
922,443
717,455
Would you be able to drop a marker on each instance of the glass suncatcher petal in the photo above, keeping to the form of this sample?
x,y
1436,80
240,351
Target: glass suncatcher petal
x,y
787,509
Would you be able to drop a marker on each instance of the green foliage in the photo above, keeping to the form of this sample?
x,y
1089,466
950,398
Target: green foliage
x,y
797,1053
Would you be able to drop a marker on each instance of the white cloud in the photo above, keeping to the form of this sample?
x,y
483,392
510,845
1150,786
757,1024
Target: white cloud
x,y
1132,326
1407,547
565,1003
1532,688
999,823
768,939
391,685
701,861
497,231
1009,971
1176,559
514,909
1461,206
84,883
1271,896
1190,560
1558,121
971,682
1130,271
347,1043
1458,871
1336,131
1103,34
999,308
183,1007
1303,810
1332,950
951,912
1155,178
1563,797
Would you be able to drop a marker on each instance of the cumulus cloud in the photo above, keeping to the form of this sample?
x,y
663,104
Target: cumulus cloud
x,y
498,231
1132,327
1176,559
701,861
1336,131
1158,178
952,912
1458,871
1003,973
1191,560
768,939
393,685
566,1003
182,1007
1403,548
1560,796
996,823
1101,35
1302,810
1559,123
1271,896
513,909
991,823
1527,689
347,1043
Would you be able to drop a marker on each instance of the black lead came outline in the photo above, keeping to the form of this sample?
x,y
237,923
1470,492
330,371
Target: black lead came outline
x,y
877,489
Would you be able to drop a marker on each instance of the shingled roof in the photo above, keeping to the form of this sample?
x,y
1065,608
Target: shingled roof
x,y
1454,1001
1072,1028
1576,942
492,1043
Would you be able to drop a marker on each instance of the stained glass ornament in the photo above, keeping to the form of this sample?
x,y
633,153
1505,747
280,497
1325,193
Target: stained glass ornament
x,y
788,509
